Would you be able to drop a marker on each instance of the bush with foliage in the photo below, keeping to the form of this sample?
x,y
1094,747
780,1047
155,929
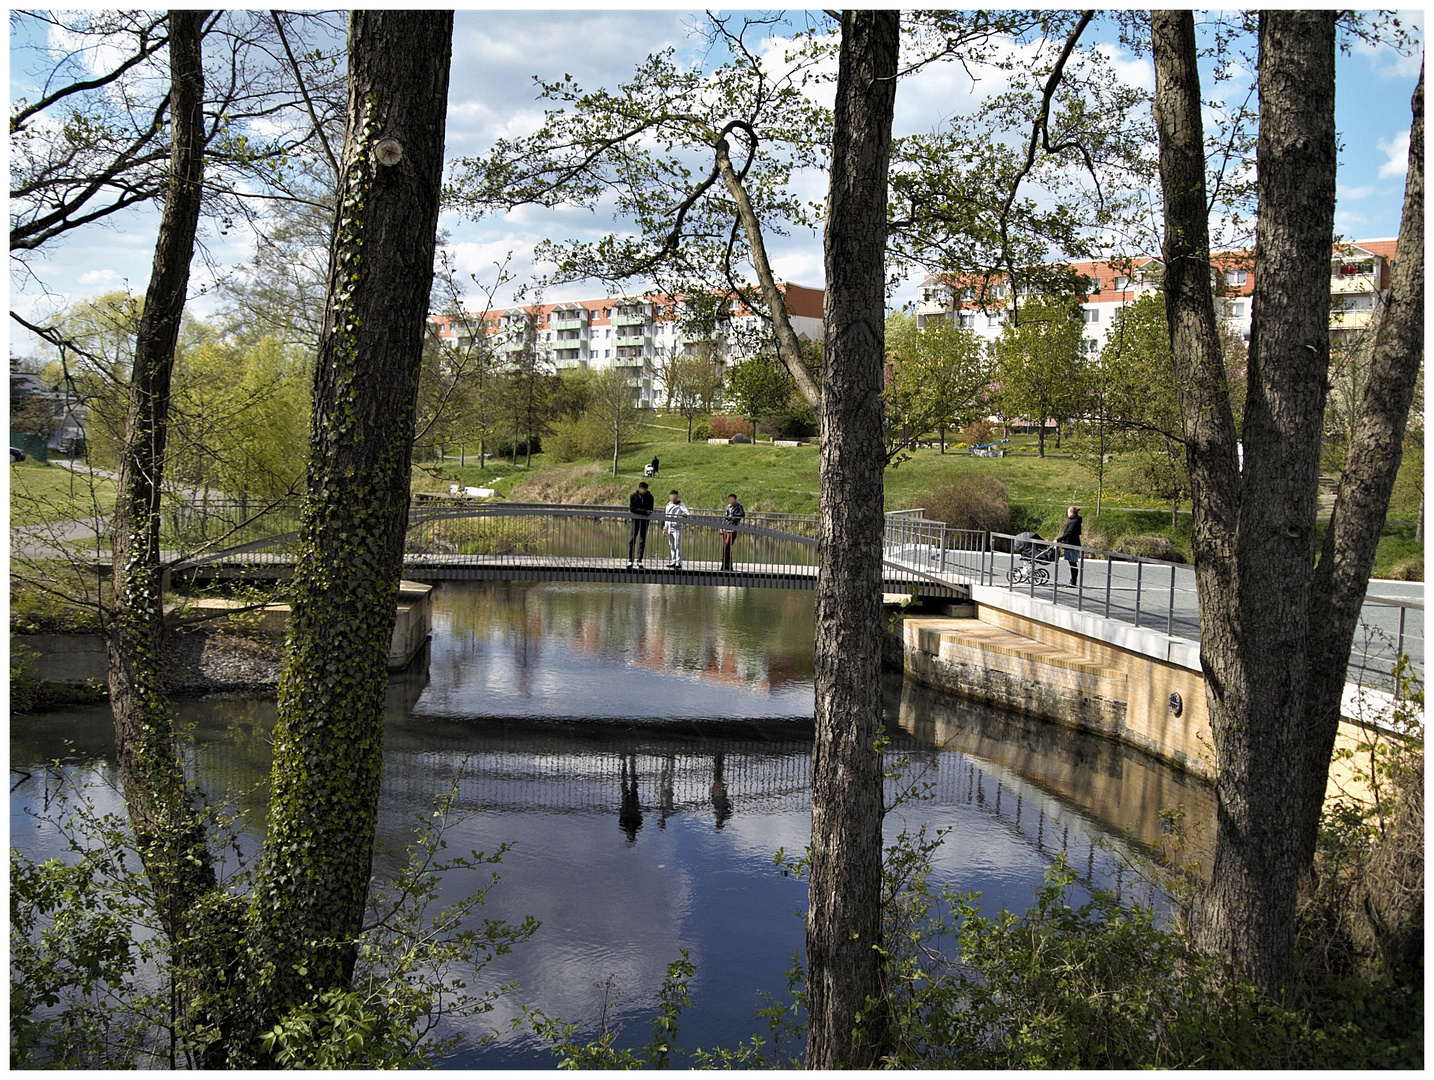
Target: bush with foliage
x,y
701,431
723,426
971,501
577,440
979,433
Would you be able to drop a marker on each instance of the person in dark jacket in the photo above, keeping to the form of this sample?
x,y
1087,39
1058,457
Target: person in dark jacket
x,y
733,514
639,505
1070,534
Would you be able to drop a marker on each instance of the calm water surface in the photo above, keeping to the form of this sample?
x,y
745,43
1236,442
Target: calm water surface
x,y
646,750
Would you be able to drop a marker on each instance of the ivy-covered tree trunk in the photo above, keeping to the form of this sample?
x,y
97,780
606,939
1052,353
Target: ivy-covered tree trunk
x,y
309,898
1362,498
167,829
844,921
1254,529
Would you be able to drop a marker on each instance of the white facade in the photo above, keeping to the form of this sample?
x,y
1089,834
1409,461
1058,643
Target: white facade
x,y
635,335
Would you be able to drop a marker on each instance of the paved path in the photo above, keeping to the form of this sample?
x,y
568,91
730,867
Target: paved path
x,y
1162,597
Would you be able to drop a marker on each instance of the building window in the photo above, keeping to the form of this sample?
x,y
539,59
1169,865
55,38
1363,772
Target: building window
x,y
994,319
1092,314
1122,283
998,291
968,319
1234,277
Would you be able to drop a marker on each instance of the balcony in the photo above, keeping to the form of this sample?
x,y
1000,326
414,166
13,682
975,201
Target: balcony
x,y
629,318
631,341
570,324
629,361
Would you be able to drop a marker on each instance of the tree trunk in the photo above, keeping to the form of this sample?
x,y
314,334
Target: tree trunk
x,y
167,828
1362,499
309,898
1254,532
844,922
1041,439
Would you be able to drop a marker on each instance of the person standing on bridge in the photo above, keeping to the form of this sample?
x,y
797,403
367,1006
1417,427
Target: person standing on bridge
x,y
675,512
639,505
731,516
1070,534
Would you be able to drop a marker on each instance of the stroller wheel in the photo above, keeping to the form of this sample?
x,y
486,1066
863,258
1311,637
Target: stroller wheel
x,y
1042,576
1015,577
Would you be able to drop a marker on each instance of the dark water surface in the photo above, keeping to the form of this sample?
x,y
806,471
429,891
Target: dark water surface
x,y
646,750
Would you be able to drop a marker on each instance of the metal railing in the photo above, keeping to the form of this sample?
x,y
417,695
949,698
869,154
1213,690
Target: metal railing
x,y
769,548
1149,593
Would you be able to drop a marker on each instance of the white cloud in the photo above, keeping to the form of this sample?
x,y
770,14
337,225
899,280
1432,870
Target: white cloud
x,y
1362,192
104,279
1397,150
1384,62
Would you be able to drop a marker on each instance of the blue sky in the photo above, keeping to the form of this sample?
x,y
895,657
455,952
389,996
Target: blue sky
x,y
497,53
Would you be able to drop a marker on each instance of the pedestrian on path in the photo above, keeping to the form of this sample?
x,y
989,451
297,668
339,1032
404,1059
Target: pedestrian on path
x,y
672,526
731,516
639,505
1070,534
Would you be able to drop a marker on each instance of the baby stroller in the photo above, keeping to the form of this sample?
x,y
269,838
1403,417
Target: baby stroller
x,y
650,469
1031,549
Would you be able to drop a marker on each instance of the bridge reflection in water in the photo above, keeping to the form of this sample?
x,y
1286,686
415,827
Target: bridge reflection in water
x,y
1052,790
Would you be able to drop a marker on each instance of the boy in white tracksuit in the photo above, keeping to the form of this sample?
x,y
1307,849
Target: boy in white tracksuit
x,y
672,525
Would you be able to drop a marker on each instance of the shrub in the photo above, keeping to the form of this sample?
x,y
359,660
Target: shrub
x,y
795,427
723,426
978,433
1148,547
701,431
574,440
971,502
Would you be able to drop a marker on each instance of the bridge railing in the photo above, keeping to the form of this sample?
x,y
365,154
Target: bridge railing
x,y
583,536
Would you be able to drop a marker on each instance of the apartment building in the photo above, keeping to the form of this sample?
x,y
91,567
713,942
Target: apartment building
x,y
632,334
1359,280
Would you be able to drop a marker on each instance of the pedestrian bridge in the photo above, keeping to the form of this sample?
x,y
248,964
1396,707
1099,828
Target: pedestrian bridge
x,y
458,540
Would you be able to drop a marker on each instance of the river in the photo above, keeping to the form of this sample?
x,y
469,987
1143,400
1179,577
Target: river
x,y
646,751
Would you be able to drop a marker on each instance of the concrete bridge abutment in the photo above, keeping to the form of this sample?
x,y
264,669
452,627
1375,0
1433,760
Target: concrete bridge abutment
x,y
1136,686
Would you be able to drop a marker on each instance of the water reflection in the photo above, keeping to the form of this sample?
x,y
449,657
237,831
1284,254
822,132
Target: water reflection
x,y
717,750
635,651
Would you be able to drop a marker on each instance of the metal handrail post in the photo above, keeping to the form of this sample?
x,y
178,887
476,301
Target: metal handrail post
x,y
1139,568
1399,648
1080,579
1170,617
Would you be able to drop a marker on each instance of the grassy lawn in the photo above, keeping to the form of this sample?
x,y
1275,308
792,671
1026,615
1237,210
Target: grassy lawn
x,y
41,492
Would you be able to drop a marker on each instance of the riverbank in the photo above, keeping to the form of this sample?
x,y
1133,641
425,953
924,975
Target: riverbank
x,y
58,670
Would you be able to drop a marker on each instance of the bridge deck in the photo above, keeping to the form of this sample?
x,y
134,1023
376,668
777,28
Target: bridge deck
x,y
510,567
